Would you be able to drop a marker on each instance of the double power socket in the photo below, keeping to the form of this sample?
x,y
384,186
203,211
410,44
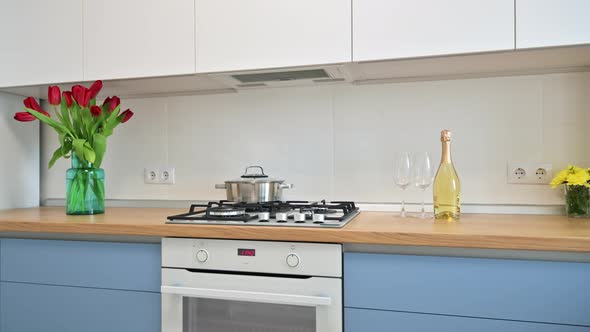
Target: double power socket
x,y
159,175
529,173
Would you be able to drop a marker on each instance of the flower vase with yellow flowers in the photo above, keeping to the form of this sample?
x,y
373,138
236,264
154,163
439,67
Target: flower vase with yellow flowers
x,y
577,190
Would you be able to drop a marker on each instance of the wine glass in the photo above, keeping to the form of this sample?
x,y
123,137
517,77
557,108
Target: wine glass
x,y
423,173
401,175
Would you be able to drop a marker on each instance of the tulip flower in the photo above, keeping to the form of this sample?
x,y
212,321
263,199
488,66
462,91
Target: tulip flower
x,y
31,103
81,95
106,101
95,89
54,95
82,125
24,117
126,115
96,111
68,97
113,103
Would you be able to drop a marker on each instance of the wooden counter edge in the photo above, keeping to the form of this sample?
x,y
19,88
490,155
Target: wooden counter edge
x,y
557,243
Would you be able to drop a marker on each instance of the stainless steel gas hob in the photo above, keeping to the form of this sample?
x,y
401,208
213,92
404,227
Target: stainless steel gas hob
x,y
278,213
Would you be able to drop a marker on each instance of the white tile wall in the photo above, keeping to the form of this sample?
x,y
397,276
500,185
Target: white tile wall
x,y
19,157
337,142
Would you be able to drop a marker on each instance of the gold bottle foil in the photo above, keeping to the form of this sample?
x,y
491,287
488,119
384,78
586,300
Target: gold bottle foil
x,y
446,135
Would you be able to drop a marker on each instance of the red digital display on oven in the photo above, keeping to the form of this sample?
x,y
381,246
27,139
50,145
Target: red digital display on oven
x,y
246,252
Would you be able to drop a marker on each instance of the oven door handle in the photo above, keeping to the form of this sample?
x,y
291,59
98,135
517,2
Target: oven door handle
x,y
234,295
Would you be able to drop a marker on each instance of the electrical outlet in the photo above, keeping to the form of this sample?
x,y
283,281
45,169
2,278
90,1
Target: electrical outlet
x,y
150,175
167,175
159,175
529,173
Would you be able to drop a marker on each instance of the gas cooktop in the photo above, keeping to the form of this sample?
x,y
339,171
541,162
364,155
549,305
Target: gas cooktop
x,y
288,214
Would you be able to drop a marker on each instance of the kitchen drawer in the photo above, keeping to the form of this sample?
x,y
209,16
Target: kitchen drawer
x,y
130,266
536,291
31,308
361,320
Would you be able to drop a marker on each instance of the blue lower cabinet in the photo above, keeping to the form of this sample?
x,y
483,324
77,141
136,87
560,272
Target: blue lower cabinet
x,y
125,266
31,308
362,320
520,290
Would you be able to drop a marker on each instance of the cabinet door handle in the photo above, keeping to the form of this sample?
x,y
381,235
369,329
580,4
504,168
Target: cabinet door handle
x,y
233,295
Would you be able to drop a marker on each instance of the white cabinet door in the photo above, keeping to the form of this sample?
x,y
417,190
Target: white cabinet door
x,y
541,23
390,29
41,42
253,34
138,38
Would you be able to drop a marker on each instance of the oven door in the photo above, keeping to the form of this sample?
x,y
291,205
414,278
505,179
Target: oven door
x,y
198,301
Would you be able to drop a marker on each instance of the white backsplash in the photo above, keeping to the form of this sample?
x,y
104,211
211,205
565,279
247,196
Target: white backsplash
x,y
19,156
337,142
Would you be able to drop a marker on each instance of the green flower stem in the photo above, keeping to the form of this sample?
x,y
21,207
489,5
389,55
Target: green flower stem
x,y
85,189
577,201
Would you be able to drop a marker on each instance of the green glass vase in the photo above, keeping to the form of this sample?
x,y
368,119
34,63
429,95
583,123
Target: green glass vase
x,y
577,201
84,188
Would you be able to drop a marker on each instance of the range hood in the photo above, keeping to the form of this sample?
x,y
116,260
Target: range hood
x,y
506,63
284,78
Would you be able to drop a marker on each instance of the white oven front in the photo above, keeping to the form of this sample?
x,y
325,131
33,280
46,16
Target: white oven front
x,y
219,301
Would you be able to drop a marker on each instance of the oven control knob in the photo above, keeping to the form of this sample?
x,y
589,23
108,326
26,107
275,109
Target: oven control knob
x,y
293,260
202,255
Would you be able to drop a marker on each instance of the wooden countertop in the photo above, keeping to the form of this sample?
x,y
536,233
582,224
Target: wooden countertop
x,y
492,231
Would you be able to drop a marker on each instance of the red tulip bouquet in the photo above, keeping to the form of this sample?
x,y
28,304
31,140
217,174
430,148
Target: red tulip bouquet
x,y
83,128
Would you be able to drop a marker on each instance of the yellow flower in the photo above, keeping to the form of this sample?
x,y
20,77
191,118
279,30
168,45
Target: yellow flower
x,y
572,176
560,178
578,177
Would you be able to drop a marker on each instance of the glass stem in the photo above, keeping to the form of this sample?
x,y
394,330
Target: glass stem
x,y
423,212
403,211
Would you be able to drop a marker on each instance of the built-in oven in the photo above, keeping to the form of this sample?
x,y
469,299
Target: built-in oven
x,y
226,285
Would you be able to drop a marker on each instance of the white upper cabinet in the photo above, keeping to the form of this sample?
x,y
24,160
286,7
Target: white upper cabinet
x,y
254,34
41,41
391,29
138,38
541,23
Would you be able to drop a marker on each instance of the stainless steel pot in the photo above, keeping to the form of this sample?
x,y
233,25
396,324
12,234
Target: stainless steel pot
x,y
254,187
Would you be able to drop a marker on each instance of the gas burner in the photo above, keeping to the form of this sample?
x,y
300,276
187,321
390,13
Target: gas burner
x,y
226,211
291,213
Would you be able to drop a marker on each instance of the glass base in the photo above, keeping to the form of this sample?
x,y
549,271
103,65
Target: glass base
x,y
446,217
84,213
420,215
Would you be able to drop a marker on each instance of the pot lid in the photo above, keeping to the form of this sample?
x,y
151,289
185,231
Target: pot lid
x,y
250,175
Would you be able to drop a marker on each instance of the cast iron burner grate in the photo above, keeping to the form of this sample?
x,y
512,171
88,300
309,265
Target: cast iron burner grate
x,y
334,214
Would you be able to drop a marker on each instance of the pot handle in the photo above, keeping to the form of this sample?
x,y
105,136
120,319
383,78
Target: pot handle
x,y
258,175
286,186
220,186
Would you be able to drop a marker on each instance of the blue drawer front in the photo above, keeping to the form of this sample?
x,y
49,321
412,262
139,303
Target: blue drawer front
x,y
130,266
32,308
552,292
361,320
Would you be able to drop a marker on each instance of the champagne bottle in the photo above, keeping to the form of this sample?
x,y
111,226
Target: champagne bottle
x,y
447,189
